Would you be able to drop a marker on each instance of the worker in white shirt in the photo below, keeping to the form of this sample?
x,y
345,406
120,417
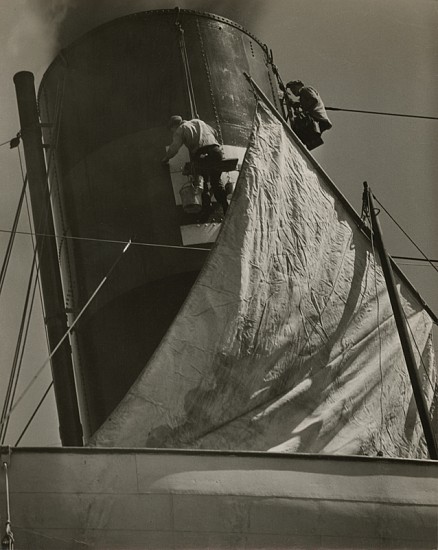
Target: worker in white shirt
x,y
205,152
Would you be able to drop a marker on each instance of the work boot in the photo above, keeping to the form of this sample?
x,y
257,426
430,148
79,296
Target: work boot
x,y
221,197
206,200
206,207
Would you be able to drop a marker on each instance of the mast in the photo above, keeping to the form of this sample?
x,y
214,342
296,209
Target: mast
x,y
402,330
55,318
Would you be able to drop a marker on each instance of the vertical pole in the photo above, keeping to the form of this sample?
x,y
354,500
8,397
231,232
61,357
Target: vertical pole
x,y
402,330
55,318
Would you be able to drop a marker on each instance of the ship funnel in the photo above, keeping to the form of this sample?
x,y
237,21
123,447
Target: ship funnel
x,y
115,90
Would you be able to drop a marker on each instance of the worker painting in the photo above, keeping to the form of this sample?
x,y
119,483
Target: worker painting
x,y
205,152
310,102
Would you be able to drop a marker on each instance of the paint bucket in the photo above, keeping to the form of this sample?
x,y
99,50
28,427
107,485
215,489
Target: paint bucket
x,y
229,189
191,198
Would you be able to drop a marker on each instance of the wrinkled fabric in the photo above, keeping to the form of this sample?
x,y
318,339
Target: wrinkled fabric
x,y
286,341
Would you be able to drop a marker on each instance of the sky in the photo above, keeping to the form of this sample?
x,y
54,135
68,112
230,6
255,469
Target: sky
x,y
360,54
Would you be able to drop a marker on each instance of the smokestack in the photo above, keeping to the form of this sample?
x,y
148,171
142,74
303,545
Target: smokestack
x,y
55,317
121,82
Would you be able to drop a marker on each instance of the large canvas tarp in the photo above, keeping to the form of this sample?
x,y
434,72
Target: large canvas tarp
x,y
287,341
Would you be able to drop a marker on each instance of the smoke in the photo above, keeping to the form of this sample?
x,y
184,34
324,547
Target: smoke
x,y
30,30
34,31
66,20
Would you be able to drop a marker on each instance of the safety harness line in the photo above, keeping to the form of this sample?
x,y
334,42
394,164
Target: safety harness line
x,y
185,60
210,84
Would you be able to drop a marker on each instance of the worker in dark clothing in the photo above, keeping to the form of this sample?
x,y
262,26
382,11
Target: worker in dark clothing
x,y
310,103
205,152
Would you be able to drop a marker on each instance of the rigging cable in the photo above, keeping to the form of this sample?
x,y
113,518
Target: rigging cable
x,y
8,539
67,333
286,108
366,216
413,259
22,334
430,262
18,357
341,109
410,264
12,232
110,241
185,60
37,408
406,235
380,113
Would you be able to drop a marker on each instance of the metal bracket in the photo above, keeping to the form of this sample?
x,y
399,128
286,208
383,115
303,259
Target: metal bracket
x,y
5,455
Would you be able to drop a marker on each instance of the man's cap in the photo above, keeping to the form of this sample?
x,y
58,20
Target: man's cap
x,y
174,120
294,83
